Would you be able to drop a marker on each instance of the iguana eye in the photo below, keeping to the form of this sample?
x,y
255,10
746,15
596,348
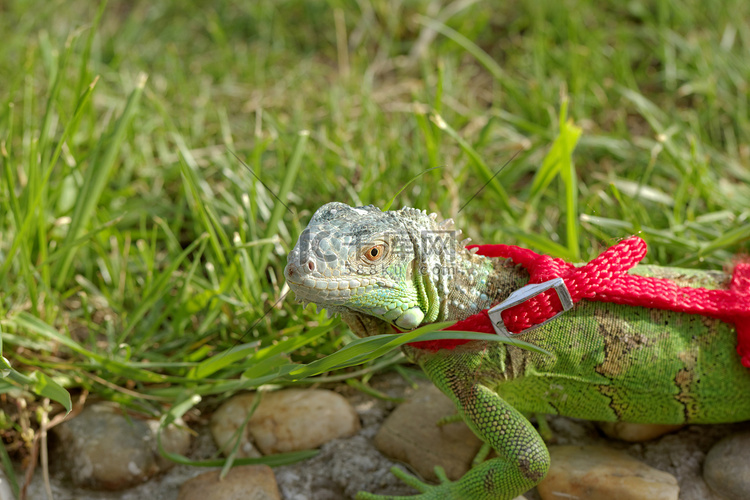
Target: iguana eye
x,y
375,253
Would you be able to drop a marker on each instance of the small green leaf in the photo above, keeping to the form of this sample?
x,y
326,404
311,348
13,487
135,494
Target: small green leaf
x,y
45,386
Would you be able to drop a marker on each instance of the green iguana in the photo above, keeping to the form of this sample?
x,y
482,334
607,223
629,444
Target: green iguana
x,y
608,362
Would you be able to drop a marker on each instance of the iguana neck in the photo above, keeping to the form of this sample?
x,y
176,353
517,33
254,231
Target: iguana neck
x,y
463,287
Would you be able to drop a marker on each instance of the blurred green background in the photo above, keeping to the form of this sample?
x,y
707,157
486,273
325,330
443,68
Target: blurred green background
x,y
140,261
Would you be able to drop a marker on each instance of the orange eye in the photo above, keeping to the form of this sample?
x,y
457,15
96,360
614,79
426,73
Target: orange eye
x,y
374,253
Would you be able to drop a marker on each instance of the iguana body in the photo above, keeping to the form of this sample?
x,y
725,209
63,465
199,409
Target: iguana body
x,y
609,362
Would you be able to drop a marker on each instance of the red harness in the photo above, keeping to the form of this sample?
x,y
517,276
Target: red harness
x,y
605,279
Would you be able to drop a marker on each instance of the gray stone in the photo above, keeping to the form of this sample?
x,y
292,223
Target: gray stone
x,y
727,467
103,449
682,454
5,492
245,482
286,420
636,433
343,468
599,473
410,434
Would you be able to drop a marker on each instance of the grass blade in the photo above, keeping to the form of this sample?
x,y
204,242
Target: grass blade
x,y
420,174
476,160
286,186
95,180
159,287
473,49
365,349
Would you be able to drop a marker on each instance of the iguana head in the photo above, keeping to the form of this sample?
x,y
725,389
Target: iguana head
x,y
381,264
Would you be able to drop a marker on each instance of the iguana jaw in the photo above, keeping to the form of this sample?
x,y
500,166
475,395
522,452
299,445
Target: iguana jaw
x,y
330,291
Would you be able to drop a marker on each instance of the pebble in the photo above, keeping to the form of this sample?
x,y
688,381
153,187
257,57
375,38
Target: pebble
x,y
599,473
341,469
410,434
286,420
244,482
727,467
102,449
5,492
636,433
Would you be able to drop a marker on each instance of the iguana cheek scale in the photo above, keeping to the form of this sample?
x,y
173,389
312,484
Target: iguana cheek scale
x,y
609,362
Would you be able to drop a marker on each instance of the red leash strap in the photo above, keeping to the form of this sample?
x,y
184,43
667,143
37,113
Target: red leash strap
x,y
741,286
605,279
586,282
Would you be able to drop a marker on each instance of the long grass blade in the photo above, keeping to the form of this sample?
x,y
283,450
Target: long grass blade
x,y
96,178
286,186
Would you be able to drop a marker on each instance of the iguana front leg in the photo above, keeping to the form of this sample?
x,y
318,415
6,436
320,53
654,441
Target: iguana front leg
x,y
522,458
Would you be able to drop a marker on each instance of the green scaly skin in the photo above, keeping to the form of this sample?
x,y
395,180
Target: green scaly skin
x,y
608,363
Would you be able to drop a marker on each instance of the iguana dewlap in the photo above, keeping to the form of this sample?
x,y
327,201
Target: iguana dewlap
x,y
609,362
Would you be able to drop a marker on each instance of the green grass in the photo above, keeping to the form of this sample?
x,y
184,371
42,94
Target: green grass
x,y
141,262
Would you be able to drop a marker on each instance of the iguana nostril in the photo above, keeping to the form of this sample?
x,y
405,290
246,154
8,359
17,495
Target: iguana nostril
x,y
290,270
311,265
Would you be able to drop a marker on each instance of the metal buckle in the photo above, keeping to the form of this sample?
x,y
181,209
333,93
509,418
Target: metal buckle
x,y
522,295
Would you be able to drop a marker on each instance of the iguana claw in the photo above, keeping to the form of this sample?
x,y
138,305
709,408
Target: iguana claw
x,y
427,491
